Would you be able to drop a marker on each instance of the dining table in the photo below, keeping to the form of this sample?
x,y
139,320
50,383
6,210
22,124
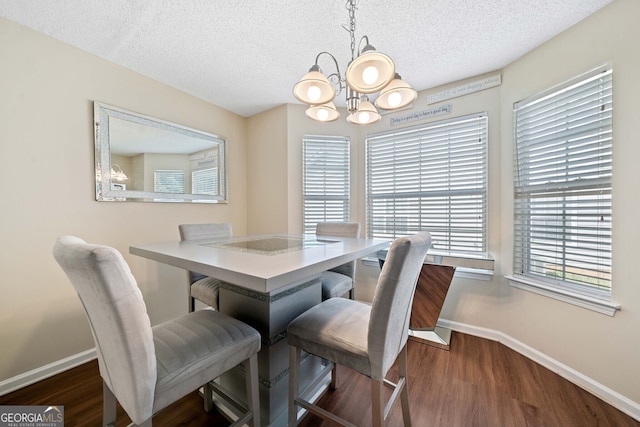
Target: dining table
x,y
266,281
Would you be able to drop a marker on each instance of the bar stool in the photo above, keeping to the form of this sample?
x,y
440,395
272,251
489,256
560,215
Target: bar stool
x,y
366,338
339,280
204,288
147,368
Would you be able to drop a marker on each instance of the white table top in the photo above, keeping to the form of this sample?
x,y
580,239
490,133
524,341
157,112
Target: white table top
x,y
260,271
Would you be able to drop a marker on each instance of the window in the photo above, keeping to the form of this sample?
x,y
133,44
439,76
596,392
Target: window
x,y
432,177
168,181
205,181
562,195
325,180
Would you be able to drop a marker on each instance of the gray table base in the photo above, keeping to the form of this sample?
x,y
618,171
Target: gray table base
x,y
270,314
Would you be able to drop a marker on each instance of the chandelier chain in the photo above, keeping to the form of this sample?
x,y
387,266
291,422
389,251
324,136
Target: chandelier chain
x,y
351,6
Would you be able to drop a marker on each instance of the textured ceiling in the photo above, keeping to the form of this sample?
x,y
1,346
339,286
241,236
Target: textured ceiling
x,y
246,55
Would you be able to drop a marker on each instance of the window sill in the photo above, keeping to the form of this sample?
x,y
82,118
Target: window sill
x,y
590,303
473,273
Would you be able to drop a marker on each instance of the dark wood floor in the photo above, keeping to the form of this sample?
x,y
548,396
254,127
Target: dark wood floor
x,y
477,383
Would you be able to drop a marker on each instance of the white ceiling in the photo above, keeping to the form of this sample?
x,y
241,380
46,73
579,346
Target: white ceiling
x,y
246,55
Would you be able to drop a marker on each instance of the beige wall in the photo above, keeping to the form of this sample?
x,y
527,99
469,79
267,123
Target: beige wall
x,y
46,168
45,109
267,165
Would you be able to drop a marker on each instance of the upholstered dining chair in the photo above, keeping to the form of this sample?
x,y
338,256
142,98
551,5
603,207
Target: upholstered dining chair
x,y
204,288
366,338
339,280
147,368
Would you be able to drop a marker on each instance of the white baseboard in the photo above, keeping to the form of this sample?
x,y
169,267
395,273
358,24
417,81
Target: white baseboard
x,y
613,398
39,374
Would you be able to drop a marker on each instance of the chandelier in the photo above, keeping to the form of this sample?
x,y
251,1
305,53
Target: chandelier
x,y
368,72
117,174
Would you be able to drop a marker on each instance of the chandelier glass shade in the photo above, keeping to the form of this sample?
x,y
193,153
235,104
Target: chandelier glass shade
x,y
314,88
366,113
368,72
323,113
396,94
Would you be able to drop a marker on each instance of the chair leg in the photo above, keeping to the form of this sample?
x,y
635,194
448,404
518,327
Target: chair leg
x,y
191,301
334,376
404,394
377,402
109,402
208,397
251,380
294,373
352,293
110,407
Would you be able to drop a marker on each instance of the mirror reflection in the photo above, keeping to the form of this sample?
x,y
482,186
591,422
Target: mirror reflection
x,y
139,158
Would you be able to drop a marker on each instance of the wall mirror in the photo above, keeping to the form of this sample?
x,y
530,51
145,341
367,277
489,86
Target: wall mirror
x,y
140,158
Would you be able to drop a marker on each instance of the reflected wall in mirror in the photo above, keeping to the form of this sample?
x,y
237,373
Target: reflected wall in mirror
x,y
139,158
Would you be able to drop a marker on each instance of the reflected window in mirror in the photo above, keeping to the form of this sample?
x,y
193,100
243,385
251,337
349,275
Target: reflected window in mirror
x,y
166,181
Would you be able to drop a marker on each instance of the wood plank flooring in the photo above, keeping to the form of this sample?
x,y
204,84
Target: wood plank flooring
x,y
477,383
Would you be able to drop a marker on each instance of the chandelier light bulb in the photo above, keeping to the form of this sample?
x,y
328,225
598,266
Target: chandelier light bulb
x,y
370,74
314,93
394,99
363,117
323,114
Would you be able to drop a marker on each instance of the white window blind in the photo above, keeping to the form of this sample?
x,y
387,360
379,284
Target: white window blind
x,y
432,177
563,169
205,181
168,181
325,180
